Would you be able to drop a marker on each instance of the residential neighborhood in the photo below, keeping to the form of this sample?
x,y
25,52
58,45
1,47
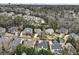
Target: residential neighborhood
x,y
39,30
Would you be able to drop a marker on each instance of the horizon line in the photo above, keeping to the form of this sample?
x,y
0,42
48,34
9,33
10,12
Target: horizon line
x,y
38,4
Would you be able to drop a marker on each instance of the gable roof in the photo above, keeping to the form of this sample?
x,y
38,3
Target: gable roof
x,y
27,30
37,30
2,30
62,30
56,45
15,42
49,31
13,29
42,44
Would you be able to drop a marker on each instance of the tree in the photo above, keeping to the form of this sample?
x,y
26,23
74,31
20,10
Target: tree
x,y
18,20
19,50
4,21
31,51
65,51
77,52
54,25
44,52
77,46
73,42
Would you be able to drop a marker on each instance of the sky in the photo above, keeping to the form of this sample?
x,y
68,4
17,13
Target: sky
x,y
40,1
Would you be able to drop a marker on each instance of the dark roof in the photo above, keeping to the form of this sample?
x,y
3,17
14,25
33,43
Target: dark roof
x,y
56,45
16,42
43,44
13,29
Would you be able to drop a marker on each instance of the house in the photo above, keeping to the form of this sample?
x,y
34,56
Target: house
x,y
49,31
29,43
38,31
27,31
62,30
61,41
41,44
71,49
15,43
75,36
2,30
14,30
55,47
4,42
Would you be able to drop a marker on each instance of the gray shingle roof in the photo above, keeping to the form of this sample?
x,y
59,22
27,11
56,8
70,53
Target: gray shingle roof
x,y
37,31
4,41
13,29
42,44
28,30
16,42
50,31
2,30
63,30
70,47
75,36
56,45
